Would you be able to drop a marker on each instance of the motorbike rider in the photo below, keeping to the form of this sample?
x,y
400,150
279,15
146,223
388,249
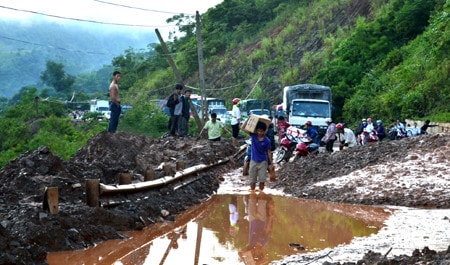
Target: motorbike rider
x,y
312,132
282,126
346,137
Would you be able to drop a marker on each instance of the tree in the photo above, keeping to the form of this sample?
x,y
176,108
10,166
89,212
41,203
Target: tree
x,y
55,76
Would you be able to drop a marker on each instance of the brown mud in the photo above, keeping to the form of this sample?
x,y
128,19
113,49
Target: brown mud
x,y
28,232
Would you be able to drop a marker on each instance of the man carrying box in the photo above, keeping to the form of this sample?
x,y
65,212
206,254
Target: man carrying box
x,y
261,155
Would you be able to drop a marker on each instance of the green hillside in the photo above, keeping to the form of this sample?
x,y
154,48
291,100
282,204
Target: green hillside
x,y
385,59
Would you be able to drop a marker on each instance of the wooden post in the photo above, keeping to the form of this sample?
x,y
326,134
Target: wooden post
x,y
125,178
93,192
149,174
180,165
168,171
51,200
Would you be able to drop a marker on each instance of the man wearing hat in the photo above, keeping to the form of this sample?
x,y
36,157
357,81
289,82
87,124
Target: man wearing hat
x,y
175,104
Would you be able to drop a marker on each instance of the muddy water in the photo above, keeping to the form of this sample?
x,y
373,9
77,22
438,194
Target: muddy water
x,y
236,229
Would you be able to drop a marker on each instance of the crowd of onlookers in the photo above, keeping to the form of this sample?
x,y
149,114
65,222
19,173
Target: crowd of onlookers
x,y
367,131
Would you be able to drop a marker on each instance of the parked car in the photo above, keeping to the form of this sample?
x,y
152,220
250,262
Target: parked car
x,y
225,118
259,112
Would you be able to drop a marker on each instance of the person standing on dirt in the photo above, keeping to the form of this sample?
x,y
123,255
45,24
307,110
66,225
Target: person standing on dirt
x,y
214,128
175,105
261,156
114,102
330,135
186,114
235,119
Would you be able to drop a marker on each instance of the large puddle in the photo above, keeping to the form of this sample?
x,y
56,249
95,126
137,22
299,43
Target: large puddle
x,y
237,229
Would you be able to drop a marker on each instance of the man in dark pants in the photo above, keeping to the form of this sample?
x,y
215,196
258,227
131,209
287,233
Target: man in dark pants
x,y
330,136
114,102
175,104
186,114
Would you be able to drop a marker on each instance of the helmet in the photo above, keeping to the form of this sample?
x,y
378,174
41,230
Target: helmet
x,y
309,123
236,101
339,126
379,121
328,120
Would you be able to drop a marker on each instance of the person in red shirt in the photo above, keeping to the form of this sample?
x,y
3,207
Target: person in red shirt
x,y
282,126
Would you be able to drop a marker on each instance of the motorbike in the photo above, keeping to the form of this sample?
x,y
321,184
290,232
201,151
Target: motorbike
x,y
373,137
295,144
305,147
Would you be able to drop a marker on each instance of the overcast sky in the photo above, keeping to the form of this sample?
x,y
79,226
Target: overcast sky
x,y
131,12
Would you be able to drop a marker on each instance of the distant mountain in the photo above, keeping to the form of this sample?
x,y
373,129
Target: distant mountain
x,y
26,46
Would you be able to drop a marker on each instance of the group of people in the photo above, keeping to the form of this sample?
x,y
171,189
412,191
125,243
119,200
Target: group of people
x,y
372,132
179,108
368,131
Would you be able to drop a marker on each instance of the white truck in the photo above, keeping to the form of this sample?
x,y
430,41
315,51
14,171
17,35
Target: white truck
x,y
101,106
307,102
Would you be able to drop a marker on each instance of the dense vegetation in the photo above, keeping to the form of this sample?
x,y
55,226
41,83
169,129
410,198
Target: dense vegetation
x,y
388,59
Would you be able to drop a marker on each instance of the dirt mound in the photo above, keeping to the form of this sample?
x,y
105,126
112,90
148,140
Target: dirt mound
x,y
27,232
417,157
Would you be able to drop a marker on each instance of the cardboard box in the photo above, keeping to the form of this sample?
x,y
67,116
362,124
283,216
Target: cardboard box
x,y
253,120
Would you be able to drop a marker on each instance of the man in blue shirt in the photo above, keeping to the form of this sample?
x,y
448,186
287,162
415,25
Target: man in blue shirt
x,y
261,156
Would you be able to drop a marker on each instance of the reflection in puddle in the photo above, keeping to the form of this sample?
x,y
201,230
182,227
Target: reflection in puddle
x,y
237,229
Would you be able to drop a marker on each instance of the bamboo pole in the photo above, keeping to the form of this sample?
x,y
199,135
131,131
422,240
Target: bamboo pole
x,y
109,189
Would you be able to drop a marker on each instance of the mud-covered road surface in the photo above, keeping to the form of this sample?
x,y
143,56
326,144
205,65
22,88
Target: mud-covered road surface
x,y
28,232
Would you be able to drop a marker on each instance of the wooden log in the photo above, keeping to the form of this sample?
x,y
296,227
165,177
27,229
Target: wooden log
x,y
149,174
93,192
51,200
125,178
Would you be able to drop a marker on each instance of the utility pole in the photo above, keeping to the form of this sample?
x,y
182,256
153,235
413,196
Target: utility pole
x,y
201,69
179,78
36,105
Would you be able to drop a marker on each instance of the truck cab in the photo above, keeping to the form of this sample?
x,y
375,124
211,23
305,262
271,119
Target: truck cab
x,y
307,102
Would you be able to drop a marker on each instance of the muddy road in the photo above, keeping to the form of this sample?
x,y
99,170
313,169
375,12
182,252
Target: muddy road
x,y
28,232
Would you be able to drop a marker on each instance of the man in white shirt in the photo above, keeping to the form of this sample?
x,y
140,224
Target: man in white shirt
x,y
413,131
345,136
235,120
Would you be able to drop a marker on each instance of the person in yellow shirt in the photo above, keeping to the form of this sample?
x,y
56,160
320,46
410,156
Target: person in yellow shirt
x,y
214,128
